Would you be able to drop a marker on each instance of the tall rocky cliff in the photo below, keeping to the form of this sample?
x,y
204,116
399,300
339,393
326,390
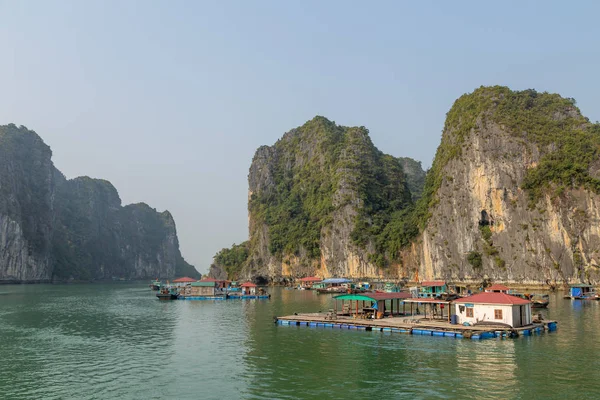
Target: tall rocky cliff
x,y
513,195
54,229
320,201
513,192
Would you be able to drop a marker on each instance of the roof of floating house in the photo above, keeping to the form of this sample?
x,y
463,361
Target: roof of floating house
x,y
248,284
580,285
337,280
373,296
185,279
311,279
492,298
427,300
203,283
433,283
498,287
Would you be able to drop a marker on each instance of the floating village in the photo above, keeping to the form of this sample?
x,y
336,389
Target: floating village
x,y
431,308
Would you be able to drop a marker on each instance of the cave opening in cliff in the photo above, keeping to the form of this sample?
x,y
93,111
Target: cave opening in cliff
x,y
485,220
261,280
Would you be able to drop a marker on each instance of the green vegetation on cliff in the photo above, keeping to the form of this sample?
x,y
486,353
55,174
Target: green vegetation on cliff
x,y
233,259
320,168
569,143
322,177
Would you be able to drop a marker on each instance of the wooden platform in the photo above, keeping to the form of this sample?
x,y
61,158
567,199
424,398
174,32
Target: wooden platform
x,y
416,325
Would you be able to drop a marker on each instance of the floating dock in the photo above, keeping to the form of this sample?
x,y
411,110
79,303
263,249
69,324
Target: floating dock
x,y
415,325
228,297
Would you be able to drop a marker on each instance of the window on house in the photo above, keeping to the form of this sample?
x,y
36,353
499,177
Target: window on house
x,y
469,313
498,314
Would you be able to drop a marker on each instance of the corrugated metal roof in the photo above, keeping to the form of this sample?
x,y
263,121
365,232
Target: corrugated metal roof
x,y
427,300
337,280
373,296
203,284
492,298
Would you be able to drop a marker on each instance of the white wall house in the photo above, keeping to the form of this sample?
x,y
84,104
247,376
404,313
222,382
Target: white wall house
x,y
494,307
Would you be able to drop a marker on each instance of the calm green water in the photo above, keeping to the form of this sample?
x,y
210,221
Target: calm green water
x,y
118,341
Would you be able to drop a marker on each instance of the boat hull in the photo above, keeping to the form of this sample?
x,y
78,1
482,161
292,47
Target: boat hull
x,y
167,296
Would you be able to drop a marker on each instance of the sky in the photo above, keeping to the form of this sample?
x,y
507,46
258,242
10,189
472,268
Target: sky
x,y
169,100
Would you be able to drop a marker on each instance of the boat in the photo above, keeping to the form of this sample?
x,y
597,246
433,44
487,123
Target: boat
x,y
167,293
540,301
582,291
334,285
155,285
537,300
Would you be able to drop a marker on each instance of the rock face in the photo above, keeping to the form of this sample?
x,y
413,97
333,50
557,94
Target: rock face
x,y
56,229
27,206
513,193
319,200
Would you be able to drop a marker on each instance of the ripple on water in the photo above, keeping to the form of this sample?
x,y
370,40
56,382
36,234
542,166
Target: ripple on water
x,y
118,341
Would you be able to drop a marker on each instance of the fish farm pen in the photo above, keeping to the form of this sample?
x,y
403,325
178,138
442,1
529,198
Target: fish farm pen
x,y
415,325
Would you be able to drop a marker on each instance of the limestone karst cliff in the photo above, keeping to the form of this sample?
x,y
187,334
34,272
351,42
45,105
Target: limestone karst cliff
x,y
513,192
512,195
320,201
54,229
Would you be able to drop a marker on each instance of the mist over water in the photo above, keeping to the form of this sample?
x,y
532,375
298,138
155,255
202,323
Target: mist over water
x,y
119,341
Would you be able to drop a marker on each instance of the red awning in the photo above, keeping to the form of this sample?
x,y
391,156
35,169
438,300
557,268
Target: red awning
x,y
248,284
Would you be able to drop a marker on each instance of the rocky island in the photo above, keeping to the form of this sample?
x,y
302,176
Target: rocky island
x,y
512,195
55,229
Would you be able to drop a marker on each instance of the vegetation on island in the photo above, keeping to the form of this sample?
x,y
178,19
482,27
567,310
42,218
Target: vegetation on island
x,y
233,259
320,168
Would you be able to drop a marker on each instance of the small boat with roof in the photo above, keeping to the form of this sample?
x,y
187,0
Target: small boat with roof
x,y
167,293
582,291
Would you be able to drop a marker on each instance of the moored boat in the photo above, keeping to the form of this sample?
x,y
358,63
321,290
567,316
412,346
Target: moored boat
x,y
334,285
155,285
582,291
537,300
540,300
167,293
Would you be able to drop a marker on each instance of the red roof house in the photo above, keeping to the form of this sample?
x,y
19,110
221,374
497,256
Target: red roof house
x,y
497,288
185,279
495,307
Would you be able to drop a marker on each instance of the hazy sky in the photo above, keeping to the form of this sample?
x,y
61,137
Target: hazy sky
x,y
169,99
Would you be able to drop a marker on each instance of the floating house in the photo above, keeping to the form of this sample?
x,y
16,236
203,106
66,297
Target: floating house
x,y
248,289
582,291
493,307
202,288
334,285
433,289
497,289
308,282
181,282
219,283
